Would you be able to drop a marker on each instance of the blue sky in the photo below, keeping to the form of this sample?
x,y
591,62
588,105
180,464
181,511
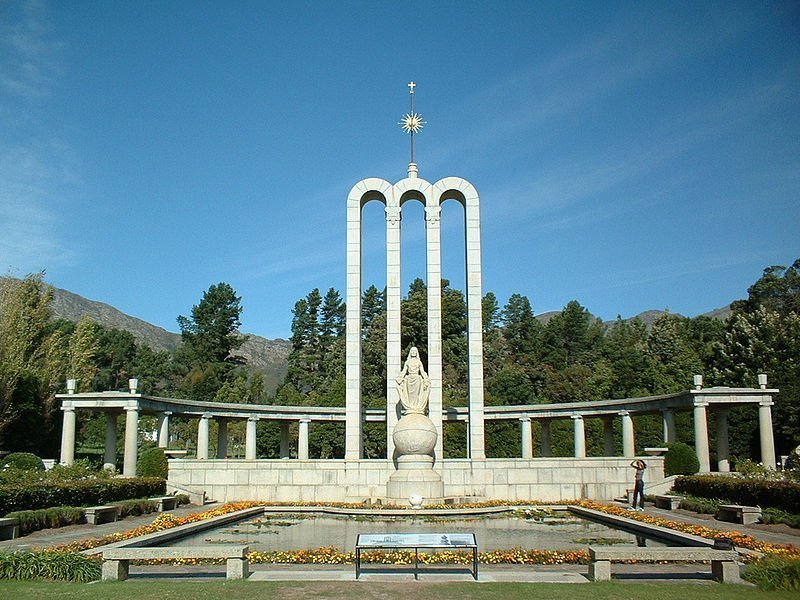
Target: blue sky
x,y
630,155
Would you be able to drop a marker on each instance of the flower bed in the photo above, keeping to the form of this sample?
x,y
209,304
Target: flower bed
x,y
739,539
331,555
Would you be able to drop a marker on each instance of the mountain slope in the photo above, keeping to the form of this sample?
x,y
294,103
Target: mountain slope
x,y
268,356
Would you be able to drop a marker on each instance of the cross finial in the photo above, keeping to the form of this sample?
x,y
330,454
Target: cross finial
x,y
412,123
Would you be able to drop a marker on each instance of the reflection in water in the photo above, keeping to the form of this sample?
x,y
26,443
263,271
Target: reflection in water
x,y
290,532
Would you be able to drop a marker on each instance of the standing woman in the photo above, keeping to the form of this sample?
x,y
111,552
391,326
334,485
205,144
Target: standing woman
x,y
638,486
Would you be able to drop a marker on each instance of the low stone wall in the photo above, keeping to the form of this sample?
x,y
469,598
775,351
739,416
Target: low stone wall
x,y
547,479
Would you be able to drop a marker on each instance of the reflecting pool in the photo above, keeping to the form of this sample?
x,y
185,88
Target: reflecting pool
x,y
535,530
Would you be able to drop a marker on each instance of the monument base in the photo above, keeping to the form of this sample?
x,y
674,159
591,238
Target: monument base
x,y
415,477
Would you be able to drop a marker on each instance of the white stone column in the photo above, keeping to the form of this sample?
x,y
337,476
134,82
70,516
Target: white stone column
x,y
579,437
394,361
546,448
668,421
250,439
628,440
352,436
527,437
765,433
163,429
701,436
302,440
434,276
285,452
202,436
110,454
608,436
723,462
472,220
131,441
68,436
222,437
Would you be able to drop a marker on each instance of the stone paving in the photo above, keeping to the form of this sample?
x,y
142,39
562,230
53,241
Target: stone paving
x,y
378,573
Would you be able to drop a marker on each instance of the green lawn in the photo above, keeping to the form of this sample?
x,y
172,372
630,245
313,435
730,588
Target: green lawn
x,y
363,590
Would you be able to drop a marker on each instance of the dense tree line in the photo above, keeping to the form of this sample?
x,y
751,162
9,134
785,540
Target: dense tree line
x,y
572,356
38,353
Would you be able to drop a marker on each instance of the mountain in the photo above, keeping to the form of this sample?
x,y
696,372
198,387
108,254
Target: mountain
x,y
271,357
647,317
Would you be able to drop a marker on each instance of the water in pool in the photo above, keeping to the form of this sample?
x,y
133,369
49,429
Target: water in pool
x,y
543,531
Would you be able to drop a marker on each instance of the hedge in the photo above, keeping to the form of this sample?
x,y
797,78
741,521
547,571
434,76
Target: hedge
x,y
77,493
784,495
47,518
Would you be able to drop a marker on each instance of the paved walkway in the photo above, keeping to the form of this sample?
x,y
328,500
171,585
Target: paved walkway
x,y
74,533
778,534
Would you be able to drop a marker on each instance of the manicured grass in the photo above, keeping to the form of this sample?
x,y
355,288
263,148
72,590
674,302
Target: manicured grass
x,y
363,590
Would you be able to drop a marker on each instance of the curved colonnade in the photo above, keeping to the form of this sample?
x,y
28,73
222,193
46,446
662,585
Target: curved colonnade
x,y
699,401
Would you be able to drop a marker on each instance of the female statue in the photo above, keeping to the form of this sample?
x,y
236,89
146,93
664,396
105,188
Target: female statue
x,y
413,385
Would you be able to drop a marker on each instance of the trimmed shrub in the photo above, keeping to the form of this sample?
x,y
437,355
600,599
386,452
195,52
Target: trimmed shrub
x,y
680,459
135,508
24,461
701,505
81,493
775,515
774,574
766,493
47,518
46,564
152,463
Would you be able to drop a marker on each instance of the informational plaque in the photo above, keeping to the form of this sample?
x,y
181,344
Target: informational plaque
x,y
415,541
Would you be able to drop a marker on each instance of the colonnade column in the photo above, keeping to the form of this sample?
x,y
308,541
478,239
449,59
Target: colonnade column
x,y
68,436
579,441
668,422
110,454
352,435
163,429
472,235
302,440
202,437
546,449
527,437
394,360
765,434
434,276
628,440
723,463
222,438
131,441
765,426
701,436
285,452
250,439
608,436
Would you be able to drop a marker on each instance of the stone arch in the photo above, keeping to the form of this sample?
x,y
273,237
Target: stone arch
x,y
456,188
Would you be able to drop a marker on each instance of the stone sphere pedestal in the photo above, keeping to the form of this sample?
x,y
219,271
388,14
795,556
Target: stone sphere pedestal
x,y
414,440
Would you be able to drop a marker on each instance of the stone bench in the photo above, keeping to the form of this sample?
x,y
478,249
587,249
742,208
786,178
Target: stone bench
x,y
724,567
668,502
165,503
101,514
9,528
736,513
116,561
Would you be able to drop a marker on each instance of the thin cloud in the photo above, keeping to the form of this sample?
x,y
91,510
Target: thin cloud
x,y
35,168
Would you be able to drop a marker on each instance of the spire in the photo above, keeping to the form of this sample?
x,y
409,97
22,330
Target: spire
x,y
412,123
